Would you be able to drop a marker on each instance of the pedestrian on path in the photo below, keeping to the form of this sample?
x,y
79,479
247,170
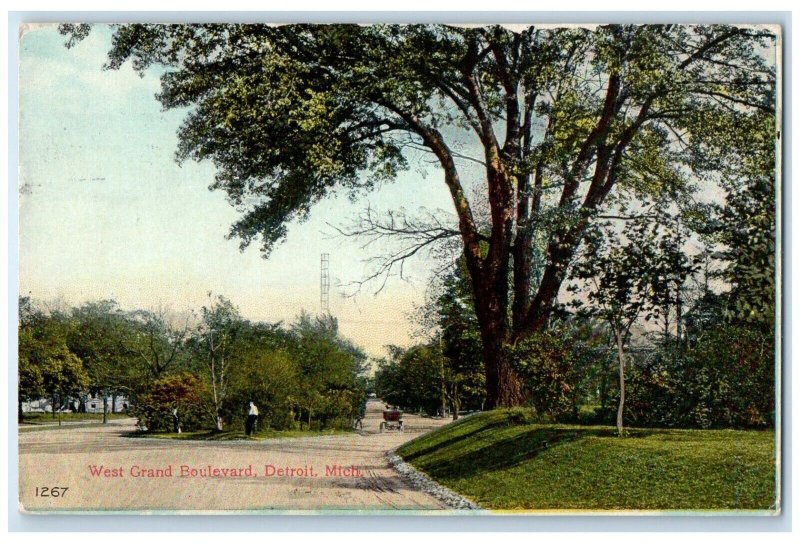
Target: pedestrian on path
x,y
252,418
176,423
362,412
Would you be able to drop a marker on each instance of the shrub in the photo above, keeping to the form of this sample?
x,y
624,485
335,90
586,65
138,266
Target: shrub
x,y
184,391
725,380
542,363
652,395
730,375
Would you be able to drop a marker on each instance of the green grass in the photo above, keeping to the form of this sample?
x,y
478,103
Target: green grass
x,y
500,460
231,435
47,418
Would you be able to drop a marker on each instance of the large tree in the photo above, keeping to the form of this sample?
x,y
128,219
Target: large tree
x,y
565,120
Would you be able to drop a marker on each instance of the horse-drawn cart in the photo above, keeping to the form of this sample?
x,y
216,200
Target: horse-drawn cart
x,y
392,420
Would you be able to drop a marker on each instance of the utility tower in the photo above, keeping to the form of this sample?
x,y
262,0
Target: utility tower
x,y
325,284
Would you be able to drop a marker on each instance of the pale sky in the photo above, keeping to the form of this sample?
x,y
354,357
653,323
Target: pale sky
x,y
106,212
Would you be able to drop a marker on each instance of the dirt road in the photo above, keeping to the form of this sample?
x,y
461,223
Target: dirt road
x,y
104,469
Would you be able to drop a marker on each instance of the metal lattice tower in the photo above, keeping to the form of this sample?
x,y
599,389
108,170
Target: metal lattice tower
x,y
325,284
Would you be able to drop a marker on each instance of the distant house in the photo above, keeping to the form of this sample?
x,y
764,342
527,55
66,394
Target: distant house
x,y
94,404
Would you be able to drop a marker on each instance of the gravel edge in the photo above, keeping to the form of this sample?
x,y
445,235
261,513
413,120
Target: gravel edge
x,y
419,480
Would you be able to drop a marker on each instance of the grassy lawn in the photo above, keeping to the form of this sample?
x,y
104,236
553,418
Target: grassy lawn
x,y
47,418
500,461
230,435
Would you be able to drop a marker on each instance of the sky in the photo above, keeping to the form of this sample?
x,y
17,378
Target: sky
x,y
106,212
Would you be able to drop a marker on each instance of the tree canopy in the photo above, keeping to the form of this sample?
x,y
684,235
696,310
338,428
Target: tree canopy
x,y
569,123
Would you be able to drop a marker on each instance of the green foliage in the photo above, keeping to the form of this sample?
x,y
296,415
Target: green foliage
x,y
543,363
633,279
305,376
157,345
100,334
330,389
183,391
30,367
626,115
500,460
214,343
47,367
734,371
413,379
270,380
725,380
563,368
452,312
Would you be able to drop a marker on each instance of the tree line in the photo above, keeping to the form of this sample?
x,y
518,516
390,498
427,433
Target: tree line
x,y
208,366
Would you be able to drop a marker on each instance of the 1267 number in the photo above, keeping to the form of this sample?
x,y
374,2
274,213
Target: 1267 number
x,y
51,491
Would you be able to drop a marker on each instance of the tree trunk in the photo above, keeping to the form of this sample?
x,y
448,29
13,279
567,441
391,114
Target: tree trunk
x,y
20,415
105,408
621,360
503,386
455,402
443,387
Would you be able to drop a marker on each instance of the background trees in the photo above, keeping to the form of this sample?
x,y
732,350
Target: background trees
x,y
566,125
100,335
303,376
47,366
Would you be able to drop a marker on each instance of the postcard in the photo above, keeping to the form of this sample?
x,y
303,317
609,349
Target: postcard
x,y
380,268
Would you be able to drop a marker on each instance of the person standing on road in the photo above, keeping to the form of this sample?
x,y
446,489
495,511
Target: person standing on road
x,y
176,424
362,412
252,417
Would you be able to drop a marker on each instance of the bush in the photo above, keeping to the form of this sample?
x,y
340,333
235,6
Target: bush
x,y
725,380
542,363
653,394
184,391
730,375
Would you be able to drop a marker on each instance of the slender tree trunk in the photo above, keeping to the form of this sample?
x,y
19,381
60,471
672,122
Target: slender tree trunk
x,y
443,387
105,408
455,402
621,360
20,415
678,318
